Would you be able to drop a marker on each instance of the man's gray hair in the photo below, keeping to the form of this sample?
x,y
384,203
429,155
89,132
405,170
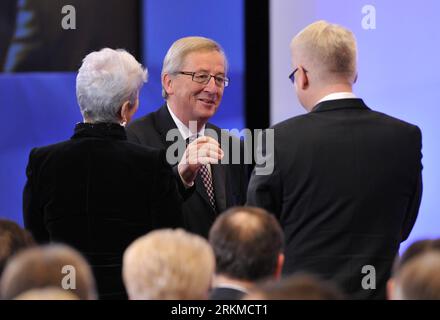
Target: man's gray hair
x,y
107,79
176,54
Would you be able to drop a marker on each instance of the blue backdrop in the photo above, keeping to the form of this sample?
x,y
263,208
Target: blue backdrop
x,y
41,108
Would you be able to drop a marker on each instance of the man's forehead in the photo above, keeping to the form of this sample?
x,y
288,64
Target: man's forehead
x,y
204,58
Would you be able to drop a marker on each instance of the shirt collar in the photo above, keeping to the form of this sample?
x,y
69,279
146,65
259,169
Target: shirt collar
x,y
337,96
183,129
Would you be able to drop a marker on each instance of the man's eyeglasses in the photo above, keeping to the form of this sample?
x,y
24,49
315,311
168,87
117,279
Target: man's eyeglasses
x,y
204,78
292,75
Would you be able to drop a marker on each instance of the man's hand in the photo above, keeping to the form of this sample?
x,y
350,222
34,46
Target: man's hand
x,y
201,151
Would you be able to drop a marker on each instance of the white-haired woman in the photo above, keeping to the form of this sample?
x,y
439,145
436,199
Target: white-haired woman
x,y
97,191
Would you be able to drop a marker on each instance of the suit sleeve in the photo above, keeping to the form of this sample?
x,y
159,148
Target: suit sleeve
x,y
265,188
32,213
413,208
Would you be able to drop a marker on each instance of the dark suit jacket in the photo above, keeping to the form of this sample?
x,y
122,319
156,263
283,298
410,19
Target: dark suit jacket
x,y
223,293
229,180
346,188
98,192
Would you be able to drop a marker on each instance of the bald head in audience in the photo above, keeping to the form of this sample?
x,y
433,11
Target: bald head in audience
x,y
168,264
248,246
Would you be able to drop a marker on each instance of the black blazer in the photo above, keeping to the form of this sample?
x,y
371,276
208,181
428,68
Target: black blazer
x,y
224,293
346,188
98,192
229,180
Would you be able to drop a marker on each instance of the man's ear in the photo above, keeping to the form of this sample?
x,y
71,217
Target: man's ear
x,y
167,83
390,289
279,267
303,80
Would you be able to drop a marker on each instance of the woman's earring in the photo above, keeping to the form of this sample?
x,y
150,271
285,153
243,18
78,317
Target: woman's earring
x,y
124,122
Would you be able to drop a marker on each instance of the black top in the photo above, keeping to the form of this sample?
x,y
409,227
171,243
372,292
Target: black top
x,y
98,192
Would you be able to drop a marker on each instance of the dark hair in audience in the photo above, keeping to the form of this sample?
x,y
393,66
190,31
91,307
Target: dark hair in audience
x,y
48,266
415,249
246,242
300,286
13,238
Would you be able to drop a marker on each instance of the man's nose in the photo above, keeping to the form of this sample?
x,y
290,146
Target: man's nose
x,y
211,86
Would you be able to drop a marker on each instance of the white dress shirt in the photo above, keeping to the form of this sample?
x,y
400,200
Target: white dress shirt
x,y
337,96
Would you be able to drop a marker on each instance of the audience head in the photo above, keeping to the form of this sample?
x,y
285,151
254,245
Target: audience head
x,y
47,294
416,249
419,278
324,56
168,264
108,85
296,287
56,266
13,238
248,244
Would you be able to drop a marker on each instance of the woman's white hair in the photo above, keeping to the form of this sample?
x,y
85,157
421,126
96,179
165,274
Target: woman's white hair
x,y
178,51
107,79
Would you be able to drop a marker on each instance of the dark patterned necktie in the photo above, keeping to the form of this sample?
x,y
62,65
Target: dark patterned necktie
x,y
207,182
206,179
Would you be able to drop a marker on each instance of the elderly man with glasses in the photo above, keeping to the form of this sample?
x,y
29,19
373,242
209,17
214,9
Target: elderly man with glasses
x,y
194,77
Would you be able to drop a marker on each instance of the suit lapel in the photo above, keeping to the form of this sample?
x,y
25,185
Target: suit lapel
x,y
164,123
218,181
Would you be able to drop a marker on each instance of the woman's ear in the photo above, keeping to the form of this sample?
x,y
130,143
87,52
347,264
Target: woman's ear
x,y
127,111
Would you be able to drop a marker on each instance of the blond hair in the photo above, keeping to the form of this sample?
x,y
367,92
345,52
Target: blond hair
x,y
329,48
168,264
178,51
